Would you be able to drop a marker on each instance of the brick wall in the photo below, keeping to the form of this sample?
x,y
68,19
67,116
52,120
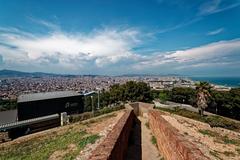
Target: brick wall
x,y
114,147
171,144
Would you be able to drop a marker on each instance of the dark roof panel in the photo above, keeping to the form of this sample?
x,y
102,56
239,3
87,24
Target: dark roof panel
x,y
46,95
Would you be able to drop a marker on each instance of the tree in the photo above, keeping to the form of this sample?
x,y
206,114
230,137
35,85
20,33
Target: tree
x,y
137,91
164,96
130,91
7,105
235,102
183,95
203,95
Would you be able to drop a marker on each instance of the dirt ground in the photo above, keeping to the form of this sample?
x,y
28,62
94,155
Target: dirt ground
x,y
149,150
216,143
141,146
59,154
102,128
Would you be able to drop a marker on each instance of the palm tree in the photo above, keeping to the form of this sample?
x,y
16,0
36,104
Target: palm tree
x,y
203,95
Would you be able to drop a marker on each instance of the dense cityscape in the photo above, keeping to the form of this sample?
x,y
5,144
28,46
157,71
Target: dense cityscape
x,y
11,88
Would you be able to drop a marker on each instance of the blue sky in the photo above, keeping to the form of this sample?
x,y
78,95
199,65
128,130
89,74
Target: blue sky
x,y
109,37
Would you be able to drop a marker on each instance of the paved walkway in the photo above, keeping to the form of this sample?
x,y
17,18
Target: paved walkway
x,y
172,105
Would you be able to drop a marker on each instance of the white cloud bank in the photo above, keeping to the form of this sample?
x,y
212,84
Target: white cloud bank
x,y
101,47
222,52
207,52
108,50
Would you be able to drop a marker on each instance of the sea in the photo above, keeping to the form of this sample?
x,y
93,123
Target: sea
x,y
224,81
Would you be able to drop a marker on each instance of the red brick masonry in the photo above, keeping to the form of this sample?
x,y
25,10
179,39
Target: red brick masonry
x,y
114,147
171,144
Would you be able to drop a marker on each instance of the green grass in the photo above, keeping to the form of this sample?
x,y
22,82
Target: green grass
x,y
88,115
208,132
82,143
147,125
229,154
41,149
219,138
215,154
154,140
213,121
99,119
226,140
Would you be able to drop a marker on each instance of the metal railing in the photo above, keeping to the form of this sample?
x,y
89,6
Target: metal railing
x,y
8,126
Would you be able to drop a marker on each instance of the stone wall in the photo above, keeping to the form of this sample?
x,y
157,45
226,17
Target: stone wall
x,y
114,147
140,108
170,143
134,106
144,108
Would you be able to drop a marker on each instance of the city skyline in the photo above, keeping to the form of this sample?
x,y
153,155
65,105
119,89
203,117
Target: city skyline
x,y
127,37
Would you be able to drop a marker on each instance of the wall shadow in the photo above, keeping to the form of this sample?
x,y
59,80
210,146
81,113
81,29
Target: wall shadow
x,y
134,150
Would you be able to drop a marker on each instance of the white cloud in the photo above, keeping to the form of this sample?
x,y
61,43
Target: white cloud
x,y
180,25
101,47
216,6
109,49
209,51
222,52
47,24
215,32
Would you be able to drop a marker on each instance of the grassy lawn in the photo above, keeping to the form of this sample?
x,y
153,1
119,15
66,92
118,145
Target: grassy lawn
x,y
213,121
42,149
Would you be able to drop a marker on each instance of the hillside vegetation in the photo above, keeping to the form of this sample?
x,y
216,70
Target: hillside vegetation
x,y
73,141
224,103
212,120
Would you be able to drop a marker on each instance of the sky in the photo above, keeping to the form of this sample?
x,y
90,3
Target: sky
x,y
110,37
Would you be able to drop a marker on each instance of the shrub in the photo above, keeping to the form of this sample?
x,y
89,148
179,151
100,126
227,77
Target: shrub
x,y
88,115
208,132
213,121
80,117
217,121
154,140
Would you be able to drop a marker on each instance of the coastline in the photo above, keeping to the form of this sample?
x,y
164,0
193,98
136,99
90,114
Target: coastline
x,y
233,82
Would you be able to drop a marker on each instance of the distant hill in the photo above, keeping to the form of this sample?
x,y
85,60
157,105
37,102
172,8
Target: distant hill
x,y
12,73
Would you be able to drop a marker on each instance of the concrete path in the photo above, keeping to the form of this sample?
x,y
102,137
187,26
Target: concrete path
x,y
172,105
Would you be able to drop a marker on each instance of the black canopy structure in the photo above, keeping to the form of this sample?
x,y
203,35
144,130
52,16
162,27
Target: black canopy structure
x,y
43,104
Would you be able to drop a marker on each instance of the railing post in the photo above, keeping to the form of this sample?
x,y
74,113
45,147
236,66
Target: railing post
x,y
63,118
